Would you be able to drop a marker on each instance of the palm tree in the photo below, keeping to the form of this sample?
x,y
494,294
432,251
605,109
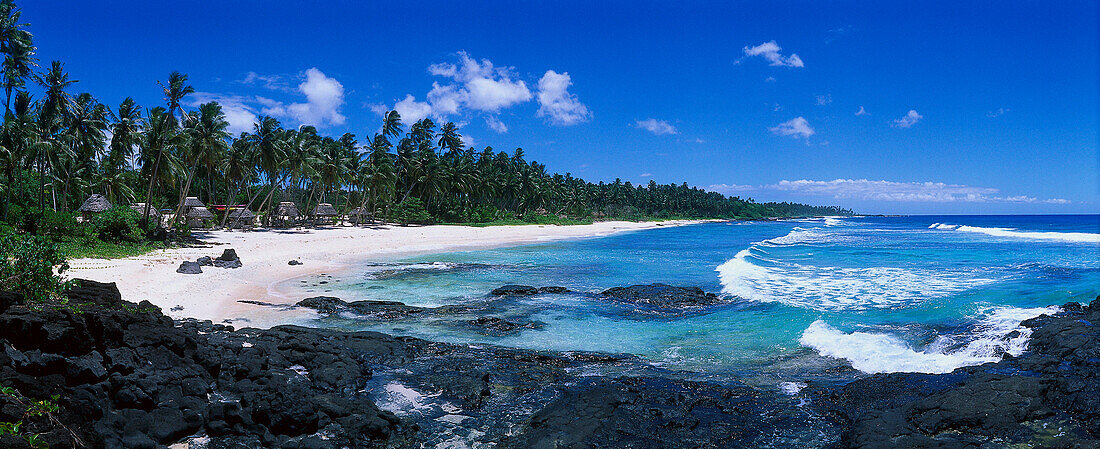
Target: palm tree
x,y
126,129
449,138
238,165
207,139
85,127
160,137
269,148
16,43
174,91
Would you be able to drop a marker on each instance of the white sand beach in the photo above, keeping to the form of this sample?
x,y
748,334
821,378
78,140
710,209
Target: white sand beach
x,y
215,294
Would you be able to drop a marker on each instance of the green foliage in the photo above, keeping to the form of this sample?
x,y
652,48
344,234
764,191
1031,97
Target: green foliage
x,y
410,211
117,224
27,266
31,409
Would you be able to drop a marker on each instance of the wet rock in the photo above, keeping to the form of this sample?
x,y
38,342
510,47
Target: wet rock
x,y
499,326
1018,401
188,267
650,412
388,310
526,290
663,296
324,304
514,290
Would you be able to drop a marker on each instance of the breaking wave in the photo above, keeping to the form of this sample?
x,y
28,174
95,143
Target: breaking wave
x,y
995,335
1084,237
752,274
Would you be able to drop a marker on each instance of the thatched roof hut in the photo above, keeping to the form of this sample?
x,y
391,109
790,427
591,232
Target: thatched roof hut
x,y
324,210
358,212
140,209
95,204
242,214
192,202
287,209
200,213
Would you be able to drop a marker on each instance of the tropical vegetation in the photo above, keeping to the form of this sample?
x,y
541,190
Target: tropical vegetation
x,y
58,146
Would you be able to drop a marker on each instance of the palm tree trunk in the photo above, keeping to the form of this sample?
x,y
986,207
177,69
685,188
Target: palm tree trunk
x,y
149,191
184,192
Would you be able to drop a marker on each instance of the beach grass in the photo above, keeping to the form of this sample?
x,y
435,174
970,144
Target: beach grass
x,y
98,249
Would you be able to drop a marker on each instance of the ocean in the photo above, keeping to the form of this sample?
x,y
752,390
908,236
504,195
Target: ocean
x,y
821,299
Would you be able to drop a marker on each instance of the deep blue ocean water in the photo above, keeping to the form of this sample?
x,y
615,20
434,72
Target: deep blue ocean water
x,y
807,297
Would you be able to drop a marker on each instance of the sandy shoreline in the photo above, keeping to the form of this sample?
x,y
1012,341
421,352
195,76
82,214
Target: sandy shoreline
x,y
214,294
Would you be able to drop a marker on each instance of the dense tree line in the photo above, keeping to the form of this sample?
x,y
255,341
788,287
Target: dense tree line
x,y
58,148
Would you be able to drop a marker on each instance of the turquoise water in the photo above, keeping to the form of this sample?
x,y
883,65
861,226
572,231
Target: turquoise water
x,y
806,297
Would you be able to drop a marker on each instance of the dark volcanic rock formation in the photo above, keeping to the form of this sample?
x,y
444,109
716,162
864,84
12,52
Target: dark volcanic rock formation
x,y
525,290
228,259
188,267
128,377
663,296
1048,397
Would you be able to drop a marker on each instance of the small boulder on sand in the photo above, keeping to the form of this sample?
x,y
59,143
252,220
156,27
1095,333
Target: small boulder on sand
x,y
189,267
228,259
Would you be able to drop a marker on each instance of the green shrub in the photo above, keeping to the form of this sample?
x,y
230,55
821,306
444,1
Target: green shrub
x,y
117,224
410,211
27,266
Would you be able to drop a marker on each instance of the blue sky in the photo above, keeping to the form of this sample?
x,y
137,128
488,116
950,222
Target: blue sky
x,y
968,107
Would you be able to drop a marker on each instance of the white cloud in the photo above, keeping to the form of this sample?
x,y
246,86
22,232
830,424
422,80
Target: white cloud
x,y
240,115
411,110
796,127
556,103
862,111
480,86
770,51
770,79
822,100
487,88
445,100
999,112
646,175
272,82
495,124
657,127
868,190
324,97
910,119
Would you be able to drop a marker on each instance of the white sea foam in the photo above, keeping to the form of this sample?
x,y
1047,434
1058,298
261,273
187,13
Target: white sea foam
x,y
791,388
884,353
752,276
1083,237
1086,237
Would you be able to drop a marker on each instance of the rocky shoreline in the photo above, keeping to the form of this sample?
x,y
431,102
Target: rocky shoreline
x,y
126,376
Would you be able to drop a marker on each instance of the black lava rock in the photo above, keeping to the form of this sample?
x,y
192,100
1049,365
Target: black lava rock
x,y
294,262
514,290
663,296
324,304
188,267
228,259
205,261
8,299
